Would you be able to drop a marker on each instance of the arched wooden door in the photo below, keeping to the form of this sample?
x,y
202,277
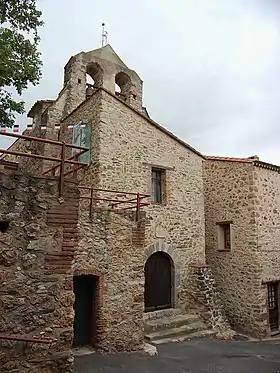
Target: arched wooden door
x,y
158,282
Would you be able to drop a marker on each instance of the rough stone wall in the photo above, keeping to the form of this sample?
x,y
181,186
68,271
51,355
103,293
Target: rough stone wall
x,y
68,99
230,196
207,298
267,183
88,112
38,112
267,189
111,248
109,66
24,146
129,147
18,146
124,149
63,105
32,165
55,112
75,83
36,295
51,112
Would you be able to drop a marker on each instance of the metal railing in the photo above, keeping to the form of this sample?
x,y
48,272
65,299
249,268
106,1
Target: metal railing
x,y
24,339
120,203
123,201
62,160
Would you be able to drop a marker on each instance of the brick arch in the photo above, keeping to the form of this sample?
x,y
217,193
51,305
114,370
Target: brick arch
x,y
171,252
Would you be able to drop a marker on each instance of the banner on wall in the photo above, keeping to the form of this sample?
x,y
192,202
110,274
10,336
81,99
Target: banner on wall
x,y
82,137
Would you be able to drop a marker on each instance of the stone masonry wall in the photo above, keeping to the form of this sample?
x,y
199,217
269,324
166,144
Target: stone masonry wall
x,y
36,253
32,165
267,183
129,147
66,102
125,146
55,112
111,248
37,166
207,298
88,112
17,146
267,189
230,196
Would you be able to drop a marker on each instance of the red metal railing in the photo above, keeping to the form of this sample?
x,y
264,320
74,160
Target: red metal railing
x,y
118,202
115,199
24,339
62,160
8,165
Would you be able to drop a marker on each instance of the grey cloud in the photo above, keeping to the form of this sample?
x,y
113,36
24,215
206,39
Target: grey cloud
x,y
210,68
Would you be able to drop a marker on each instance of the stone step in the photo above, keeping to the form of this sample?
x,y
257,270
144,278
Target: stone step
x,y
69,244
162,314
170,322
71,239
194,335
175,332
70,229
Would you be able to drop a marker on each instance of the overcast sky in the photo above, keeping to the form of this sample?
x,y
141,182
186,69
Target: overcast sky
x,y
211,68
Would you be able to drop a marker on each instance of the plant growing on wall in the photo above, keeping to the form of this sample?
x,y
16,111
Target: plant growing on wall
x,y
20,62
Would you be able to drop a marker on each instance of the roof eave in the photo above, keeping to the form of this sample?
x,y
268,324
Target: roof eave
x,y
268,166
36,106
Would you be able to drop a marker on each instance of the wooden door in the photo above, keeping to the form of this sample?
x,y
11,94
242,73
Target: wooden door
x,y
157,282
273,305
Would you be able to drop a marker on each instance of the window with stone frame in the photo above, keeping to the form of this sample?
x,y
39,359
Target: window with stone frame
x,y
224,236
158,185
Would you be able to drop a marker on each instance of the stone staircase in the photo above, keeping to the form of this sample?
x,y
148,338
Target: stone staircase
x,y
63,214
175,327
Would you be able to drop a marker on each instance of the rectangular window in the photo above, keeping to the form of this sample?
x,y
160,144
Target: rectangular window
x,y
224,236
82,137
158,185
272,302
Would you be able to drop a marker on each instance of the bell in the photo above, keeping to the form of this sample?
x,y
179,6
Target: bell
x,y
89,91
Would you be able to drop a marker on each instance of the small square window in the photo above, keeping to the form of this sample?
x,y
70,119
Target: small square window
x,y
158,185
224,236
4,225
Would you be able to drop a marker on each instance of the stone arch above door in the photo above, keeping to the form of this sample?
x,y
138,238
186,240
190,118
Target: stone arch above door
x,y
162,246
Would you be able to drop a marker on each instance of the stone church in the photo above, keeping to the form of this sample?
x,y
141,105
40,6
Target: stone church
x,y
203,254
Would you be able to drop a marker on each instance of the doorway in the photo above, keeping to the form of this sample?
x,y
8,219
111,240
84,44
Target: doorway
x,y
85,290
158,282
273,305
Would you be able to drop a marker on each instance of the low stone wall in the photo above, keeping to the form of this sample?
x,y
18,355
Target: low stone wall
x,y
36,295
26,164
111,247
206,297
